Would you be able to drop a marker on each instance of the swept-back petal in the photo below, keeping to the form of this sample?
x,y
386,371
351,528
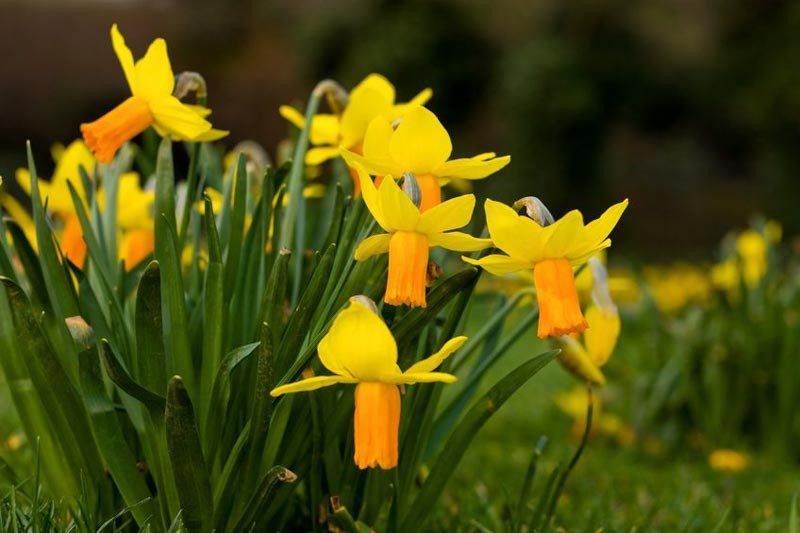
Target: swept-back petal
x,y
397,209
305,385
293,116
370,195
472,168
423,377
499,265
458,241
154,77
374,245
325,129
178,119
597,230
372,166
431,363
376,144
378,83
364,106
452,214
519,237
125,57
317,156
359,345
420,143
563,235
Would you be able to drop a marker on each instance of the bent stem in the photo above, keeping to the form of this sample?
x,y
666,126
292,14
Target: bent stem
x,y
563,477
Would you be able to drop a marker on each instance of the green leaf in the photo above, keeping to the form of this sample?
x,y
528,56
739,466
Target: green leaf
x,y
110,439
150,355
212,312
794,521
260,498
463,434
117,373
262,406
186,457
234,251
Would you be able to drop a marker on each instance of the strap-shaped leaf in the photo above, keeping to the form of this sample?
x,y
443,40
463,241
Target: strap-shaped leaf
x,y
186,457
117,373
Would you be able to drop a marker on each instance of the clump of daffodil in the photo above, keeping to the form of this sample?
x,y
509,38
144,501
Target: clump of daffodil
x,y
728,461
344,129
359,349
422,146
550,249
752,249
410,234
673,287
151,103
584,360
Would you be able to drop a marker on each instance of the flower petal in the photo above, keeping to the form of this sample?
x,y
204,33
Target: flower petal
x,y
452,214
359,345
563,235
398,110
376,146
317,156
317,382
430,363
125,57
597,230
397,209
378,83
364,106
154,77
293,116
499,265
370,195
420,143
374,245
519,237
472,168
458,241
324,129
211,136
178,119
424,377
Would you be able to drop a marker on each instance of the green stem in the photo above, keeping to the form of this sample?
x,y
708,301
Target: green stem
x,y
191,185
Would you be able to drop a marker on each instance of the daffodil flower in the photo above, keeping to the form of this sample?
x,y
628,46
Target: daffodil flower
x,y
410,234
752,249
585,360
373,97
420,145
551,252
359,349
151,103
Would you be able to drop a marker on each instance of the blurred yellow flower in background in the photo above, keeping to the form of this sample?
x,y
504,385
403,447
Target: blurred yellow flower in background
x,y
752,249
728,461
675,286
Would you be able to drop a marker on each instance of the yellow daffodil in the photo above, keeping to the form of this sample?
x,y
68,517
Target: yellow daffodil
x,y
359,349
728,461
674,287
410,234
373,97
422,146
151,103
550,252
584,360
752,249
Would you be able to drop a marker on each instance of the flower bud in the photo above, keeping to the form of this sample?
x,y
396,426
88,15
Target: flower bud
x,y
535,209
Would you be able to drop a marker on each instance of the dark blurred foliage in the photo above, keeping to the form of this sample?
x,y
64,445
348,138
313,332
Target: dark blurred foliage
x,y
689,107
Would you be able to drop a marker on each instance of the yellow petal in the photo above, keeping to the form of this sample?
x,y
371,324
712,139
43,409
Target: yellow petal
x,y
374,245
597,230
430,363
420,143
377,83
397,209
601,337
472,168
363,107
154,77
317,156
371,166
201,110
575,359
370,195
325,129
563,235
458,241
292,115
359,345
519,237
398,110
499,265
23,178
211,135
125,57
452,214
424,377
178,119
317,382
376,146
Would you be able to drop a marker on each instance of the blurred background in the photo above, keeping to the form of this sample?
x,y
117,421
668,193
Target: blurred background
x,y
688,107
